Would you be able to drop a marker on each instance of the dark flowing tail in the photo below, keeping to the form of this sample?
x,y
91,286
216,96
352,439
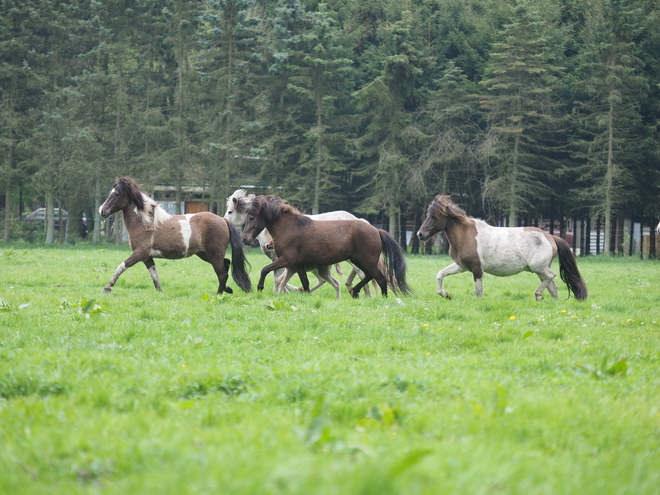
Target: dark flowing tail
x,y
238,261
568,270
396,264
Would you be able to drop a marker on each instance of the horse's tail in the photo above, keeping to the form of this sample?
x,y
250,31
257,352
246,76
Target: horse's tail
x,y
568,269
395,263
238,260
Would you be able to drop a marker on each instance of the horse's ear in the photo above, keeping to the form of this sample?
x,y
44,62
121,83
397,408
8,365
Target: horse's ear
x,y
235,200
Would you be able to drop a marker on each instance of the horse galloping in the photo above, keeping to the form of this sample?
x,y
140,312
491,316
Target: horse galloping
x,y
154,233
480,248
237,205
302,242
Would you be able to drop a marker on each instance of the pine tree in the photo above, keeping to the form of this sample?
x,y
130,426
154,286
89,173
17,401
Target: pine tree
x,y
230,31
609,92
389,142
447,164
522,112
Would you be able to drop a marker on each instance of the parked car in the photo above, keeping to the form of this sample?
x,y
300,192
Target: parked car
x,y
39,215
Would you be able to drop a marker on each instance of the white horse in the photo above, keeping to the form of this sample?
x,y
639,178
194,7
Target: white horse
x,y
480,248
237,205
657,229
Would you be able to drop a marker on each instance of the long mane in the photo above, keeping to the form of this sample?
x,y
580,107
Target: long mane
x,y
150,213
273,207
443,207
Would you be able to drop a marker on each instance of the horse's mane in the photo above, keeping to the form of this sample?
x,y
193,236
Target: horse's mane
x,y
442,206
242,200
150,213
274,207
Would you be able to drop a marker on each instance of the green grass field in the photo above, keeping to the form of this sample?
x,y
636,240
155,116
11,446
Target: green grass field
x,y
182,392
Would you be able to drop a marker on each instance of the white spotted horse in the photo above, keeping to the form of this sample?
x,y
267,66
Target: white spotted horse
x,y
154,233
480,248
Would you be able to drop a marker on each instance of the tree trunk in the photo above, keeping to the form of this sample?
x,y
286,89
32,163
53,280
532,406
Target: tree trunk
x,y
514,178
97,216
414,241
609,178
50,218
5,235
119,228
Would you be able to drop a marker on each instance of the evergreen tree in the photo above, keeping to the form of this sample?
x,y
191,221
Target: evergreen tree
x,y
448,164
229,34
317,73
20,91
611,90
389,142
522,112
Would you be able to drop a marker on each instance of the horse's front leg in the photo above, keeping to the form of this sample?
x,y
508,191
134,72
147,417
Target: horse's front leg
x,y
452,269
324,274
151,266
302,274
130,261
282,282
278,263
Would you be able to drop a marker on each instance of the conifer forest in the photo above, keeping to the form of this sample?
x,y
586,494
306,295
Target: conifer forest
x,y
518,109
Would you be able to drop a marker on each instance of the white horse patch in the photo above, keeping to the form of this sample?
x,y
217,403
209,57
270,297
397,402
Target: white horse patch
x,y
186,232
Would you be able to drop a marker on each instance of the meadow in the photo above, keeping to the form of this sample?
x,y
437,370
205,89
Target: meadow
x,y
185,392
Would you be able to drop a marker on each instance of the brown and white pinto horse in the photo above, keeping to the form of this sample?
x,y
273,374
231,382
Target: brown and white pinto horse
x,y
302,243
480,248
154,233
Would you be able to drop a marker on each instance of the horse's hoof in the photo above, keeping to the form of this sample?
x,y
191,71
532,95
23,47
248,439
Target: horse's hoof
x,y
107,291
229,290
354,293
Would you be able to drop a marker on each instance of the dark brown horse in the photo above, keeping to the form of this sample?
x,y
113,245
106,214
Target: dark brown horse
x,y
301,243
480,248
154,233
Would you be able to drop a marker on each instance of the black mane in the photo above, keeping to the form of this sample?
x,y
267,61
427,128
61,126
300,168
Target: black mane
x,y
273,207
129,187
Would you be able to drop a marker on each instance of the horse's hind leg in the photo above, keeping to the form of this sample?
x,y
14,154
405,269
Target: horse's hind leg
x,y
369,275
151,266
349,281
220,266
547,281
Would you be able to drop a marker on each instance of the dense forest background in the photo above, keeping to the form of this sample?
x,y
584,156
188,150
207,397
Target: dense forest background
x,y
517,108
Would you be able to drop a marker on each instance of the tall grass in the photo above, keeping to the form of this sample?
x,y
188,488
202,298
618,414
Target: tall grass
x,y
185,392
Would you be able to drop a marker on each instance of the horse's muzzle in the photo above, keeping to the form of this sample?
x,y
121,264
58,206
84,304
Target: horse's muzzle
x,y
423,236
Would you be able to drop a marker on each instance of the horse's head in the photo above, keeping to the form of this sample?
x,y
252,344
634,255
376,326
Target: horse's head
x,y
124,192
255,219
439,211
237,205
